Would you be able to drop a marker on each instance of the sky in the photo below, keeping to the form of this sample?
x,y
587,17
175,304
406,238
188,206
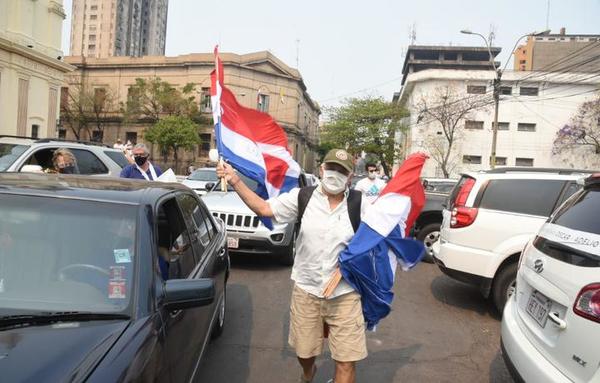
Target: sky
x,y
356,48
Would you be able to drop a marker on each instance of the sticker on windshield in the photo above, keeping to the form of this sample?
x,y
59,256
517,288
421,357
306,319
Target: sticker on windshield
x,y
122,256
116,290
117,273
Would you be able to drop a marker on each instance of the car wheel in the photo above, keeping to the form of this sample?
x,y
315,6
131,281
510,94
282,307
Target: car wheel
x,y
289,254
504,285
429,235
220,323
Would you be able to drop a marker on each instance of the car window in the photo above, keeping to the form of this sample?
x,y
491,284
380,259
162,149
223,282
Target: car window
x,y
582,213
209,175
175,256
525,196
192,212
570,189
118,157
42,157
88,163
9,153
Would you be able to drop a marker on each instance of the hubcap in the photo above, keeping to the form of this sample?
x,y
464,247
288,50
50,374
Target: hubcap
x,y
429,240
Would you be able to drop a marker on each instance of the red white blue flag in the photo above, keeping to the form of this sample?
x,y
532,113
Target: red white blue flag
x,y
251,141
369,262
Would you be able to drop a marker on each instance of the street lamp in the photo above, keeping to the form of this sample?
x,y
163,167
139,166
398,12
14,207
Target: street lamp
x,y
496,84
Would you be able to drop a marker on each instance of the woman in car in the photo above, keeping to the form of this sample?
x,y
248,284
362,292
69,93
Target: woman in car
x,y
63,162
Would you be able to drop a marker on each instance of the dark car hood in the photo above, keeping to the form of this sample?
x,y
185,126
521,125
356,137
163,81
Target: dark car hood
x,y
61,352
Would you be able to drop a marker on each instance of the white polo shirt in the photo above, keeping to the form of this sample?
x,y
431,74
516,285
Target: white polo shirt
x,y
323,235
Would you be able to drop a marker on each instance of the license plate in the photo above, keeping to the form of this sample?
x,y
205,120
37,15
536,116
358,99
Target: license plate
x,y
233,243
538,307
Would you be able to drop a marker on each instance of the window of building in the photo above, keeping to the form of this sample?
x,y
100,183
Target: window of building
x,y
92,28
473,160
500,161
205,104
131,137
263,103
520,161
93,8
92,47
476,89
99,96
35,130
93,17
92,38
64,97
506,90
97,135
522,61
502,125
471,124
528,91
525,127
62,134
204,147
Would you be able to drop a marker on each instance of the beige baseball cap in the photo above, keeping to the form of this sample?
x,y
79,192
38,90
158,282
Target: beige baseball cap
x,y
340,157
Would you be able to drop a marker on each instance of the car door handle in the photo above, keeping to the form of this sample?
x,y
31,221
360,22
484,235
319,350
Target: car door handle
x,y
222,253
554,318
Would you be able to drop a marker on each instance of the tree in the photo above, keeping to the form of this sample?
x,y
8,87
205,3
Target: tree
x,y
172,133
364,124
87,108
448,111
153,98
582,131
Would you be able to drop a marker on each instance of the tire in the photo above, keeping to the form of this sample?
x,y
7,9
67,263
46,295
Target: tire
x,y
289,254
219,325
429,235
504,285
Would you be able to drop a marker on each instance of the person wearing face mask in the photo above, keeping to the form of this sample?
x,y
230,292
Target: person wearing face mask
x,y
371,185
142,168
64,162
327,215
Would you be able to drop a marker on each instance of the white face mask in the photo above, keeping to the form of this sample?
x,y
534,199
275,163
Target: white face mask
x,y
334,182
372,175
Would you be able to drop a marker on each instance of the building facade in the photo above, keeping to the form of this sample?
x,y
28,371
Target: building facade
x,y
559,53
533,107
31,66
259,80
106,28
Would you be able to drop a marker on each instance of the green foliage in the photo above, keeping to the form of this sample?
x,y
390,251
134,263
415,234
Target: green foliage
x,y
153,98
172,133
364,124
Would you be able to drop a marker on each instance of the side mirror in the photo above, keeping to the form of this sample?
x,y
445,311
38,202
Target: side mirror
x,y
32,169
186,293
209,186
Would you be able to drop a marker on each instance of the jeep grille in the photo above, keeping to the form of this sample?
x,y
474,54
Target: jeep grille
x,y
238,221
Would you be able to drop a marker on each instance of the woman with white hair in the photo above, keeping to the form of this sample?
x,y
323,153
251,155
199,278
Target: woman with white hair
x,y
142,168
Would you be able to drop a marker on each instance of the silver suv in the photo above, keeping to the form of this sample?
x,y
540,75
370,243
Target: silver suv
x,y
245,232
92,158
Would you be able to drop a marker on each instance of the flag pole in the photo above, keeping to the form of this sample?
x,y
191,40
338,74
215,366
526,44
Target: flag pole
x,y
221,163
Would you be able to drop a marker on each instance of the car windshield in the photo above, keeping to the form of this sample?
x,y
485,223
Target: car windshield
x,y
9,154
118,157
208,175
250,183
65,255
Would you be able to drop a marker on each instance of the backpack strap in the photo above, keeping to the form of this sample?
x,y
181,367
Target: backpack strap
x,y
354,201
354,204
303,197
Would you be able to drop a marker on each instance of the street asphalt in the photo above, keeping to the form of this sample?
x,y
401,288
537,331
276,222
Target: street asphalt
x,y
439,330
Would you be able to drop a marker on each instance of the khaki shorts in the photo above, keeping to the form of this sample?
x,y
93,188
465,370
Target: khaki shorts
x,y
343,315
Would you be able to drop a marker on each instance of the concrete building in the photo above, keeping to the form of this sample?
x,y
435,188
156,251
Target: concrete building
x,y
533,106
105,28
31,66
259,80
559,53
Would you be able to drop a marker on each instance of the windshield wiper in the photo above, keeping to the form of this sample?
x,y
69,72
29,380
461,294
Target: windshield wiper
x,y
57,316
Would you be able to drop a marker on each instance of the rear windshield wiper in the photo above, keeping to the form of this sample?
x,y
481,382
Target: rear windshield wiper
x,y
57,316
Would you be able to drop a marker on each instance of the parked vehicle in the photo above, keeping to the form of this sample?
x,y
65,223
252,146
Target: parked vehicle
x,y
245,232
198,180
490,217
107,280
428,224
551,325
92,158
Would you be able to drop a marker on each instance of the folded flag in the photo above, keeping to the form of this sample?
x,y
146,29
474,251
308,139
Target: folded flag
x,y
369,262
251,141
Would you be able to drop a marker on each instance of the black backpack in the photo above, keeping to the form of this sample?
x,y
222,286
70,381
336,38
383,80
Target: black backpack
x,y
354,202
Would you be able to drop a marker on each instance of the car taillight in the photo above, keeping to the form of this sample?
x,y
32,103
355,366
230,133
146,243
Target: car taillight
x,y
462,216
587,303
463,193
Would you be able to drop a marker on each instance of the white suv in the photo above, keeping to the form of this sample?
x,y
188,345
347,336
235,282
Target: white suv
x,y
551,325
489,218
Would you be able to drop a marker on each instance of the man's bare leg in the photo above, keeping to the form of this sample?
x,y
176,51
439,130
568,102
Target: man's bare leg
x,y
307,367
345,372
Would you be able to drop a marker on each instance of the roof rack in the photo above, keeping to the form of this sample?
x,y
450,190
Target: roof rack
x,y
537,170
43,140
